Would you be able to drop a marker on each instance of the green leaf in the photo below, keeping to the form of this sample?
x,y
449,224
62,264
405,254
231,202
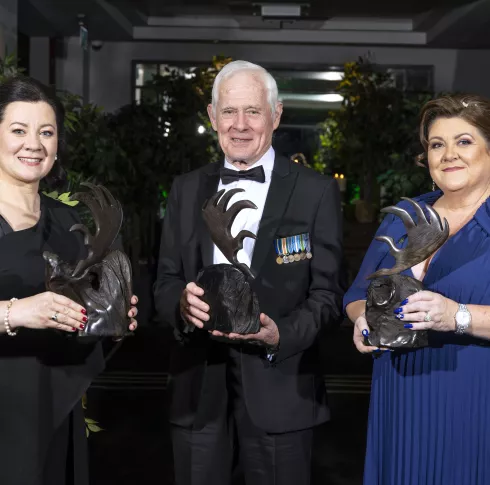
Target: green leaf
x,y
52,195
65,198
94,428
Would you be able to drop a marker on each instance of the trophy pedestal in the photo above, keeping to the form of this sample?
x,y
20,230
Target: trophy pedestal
x,y
384,295
234,307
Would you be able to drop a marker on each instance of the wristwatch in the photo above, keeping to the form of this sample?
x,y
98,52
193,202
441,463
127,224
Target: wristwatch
x,y
463,319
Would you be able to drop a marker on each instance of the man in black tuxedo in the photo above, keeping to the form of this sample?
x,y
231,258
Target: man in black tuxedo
x,y
261,392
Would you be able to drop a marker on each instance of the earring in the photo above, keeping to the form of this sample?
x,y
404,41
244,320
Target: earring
x,y
433,186
56,157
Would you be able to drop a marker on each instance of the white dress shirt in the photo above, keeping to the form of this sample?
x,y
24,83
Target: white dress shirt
x,y
248,219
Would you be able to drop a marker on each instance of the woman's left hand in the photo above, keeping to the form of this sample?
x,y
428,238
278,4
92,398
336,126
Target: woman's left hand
x,y
426,310
132,313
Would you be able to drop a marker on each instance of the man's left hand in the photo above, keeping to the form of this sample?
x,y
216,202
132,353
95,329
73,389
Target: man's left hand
x,y
267,336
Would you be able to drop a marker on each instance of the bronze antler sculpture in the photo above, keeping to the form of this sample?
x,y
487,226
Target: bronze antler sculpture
x,y
388,288
102,282
233,304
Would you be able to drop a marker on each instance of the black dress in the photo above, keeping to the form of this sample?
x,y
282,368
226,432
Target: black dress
x,y
43,373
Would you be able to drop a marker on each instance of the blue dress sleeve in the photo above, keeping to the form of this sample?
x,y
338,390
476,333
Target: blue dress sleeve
x,y
371,262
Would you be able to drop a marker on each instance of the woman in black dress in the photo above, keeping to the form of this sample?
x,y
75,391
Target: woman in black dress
x,y
43,370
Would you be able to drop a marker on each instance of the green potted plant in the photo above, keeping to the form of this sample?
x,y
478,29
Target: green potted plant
x,y
374,131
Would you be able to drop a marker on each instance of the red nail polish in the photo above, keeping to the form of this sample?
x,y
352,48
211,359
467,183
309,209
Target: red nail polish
x,y
84,319
84,311
82,326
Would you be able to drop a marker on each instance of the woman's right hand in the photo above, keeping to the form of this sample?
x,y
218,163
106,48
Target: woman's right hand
x,y
37,312
361,331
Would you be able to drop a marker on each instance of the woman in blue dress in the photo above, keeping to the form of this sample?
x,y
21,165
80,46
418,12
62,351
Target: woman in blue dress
x,y
429,419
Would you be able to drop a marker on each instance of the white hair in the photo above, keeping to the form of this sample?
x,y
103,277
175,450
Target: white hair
x,y
236,66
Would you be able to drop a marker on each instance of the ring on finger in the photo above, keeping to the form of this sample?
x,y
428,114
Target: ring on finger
x,y
427,317
55,316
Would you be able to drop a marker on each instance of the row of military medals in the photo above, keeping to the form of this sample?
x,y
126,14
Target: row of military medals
x,y
293,248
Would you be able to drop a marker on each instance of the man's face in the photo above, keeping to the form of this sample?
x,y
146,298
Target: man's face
x,y
243,119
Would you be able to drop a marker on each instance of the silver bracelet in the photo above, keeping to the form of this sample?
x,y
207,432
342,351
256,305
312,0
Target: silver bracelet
x,y
6,322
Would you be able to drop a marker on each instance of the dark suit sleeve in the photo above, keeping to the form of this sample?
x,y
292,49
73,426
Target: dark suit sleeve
x,y
170,280
299,329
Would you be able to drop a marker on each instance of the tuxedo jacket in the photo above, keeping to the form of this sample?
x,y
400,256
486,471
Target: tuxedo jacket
x,y
302,297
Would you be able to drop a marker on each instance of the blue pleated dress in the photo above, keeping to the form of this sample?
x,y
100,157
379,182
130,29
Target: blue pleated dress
x,y
429,417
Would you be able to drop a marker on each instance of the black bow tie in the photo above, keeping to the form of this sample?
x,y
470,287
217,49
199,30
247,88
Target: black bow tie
x,y
228,176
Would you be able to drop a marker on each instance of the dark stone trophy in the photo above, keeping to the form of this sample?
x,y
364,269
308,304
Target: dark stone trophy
x,y
233,304
102,282
388,288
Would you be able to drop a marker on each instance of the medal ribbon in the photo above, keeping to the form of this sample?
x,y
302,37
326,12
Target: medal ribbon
x,y
277,247
284,246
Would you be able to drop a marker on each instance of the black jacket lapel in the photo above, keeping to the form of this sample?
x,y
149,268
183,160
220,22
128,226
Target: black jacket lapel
x,y
280,190
207,188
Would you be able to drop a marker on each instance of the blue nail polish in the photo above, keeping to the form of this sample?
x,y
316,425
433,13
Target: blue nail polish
x,y
398,310
404,302
408,325
365,332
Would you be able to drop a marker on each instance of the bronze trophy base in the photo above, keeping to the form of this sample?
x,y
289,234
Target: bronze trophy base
x,y
234,307
384,295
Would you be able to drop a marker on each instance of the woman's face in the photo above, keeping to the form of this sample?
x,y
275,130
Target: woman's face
x,y
28,142
458,154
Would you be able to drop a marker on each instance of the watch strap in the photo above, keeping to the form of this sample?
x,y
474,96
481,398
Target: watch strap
x,y
462,328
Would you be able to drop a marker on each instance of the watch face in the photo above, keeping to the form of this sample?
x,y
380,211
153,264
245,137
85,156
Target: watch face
x,y
463,318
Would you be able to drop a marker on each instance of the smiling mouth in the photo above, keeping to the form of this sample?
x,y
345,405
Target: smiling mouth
x,y
453,169
240,140
31,162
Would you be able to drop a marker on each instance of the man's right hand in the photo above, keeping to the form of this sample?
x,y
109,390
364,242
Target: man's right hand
x,y
192,308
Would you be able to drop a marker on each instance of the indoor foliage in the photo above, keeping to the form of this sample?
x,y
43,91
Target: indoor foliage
x,y
373,137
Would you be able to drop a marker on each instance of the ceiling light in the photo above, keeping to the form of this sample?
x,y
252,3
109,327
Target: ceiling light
x,y
333,76
286,10
289,98
332,98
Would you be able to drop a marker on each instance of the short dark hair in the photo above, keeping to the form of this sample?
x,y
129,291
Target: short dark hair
x,y
29,90
471,108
